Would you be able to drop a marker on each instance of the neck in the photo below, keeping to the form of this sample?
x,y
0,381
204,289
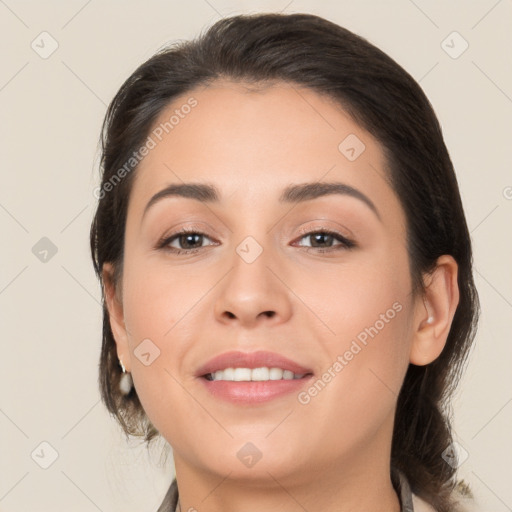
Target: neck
x,y
384,499
356,484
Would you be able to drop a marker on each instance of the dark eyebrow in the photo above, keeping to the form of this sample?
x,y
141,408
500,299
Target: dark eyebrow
x,y
208,193
307,191
203,192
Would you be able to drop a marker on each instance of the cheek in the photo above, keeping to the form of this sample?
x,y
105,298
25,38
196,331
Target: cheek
x,y
364,303
161,312
367,353
158,298
363,298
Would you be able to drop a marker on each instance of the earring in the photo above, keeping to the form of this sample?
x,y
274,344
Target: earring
x,y
126,382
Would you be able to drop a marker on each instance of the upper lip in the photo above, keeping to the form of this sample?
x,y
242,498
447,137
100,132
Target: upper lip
x,y
261,358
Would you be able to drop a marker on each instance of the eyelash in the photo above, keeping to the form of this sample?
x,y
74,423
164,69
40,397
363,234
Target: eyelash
x,y
163,244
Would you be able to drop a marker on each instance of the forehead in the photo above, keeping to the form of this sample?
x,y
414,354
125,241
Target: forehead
x,y
253,142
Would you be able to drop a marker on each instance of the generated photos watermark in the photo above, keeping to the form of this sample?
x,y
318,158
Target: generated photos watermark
x,y
357,345
150,143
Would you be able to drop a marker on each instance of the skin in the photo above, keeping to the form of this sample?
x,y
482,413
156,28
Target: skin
x,y
333,453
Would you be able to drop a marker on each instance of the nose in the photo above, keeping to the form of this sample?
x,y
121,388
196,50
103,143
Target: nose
x,y
253,293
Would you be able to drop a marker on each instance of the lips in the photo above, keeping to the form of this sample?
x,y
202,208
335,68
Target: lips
x,y
237,359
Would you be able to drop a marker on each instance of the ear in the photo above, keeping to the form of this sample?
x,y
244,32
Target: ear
x,y
434,312
116,316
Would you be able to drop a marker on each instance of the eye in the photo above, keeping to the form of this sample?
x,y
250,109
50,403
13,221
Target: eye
x,y
323,241
188,241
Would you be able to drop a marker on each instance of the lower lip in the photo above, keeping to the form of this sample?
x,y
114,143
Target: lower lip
x,y
252,392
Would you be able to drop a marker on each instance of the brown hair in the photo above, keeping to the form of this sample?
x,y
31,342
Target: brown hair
x,y
384,99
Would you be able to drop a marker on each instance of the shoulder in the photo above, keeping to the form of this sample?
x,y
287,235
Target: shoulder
x,y
170,499
421,505
464,503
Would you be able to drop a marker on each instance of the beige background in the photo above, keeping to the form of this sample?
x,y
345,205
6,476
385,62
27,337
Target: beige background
x,y
51,110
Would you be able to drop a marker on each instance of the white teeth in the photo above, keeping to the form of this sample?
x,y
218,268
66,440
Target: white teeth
x,y
255,374
259,374
275,374
229,374
242,374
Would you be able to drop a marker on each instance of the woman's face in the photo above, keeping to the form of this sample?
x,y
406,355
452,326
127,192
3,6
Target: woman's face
x,y
261,274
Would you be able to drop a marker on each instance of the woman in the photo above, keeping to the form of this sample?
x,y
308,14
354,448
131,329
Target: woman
x,y
287,272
